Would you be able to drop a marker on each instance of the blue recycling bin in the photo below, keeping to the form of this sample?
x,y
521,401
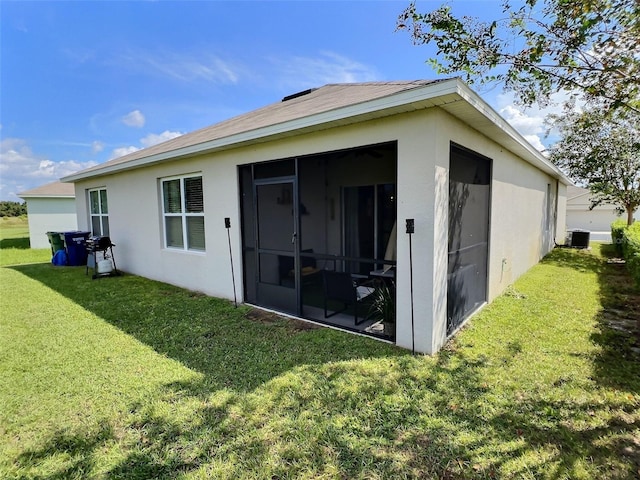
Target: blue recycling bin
x,y
75,244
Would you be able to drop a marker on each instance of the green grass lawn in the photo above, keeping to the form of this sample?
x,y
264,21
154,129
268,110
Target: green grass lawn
x,y
14,243
124,377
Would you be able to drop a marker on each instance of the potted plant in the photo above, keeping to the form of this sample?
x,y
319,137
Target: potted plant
x,y
383,307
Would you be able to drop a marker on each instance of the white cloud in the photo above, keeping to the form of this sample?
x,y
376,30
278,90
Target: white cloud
x,y
536,142
155,138
97,146
530,121
525,123
134,119
21,169
145,142
122,151
182,66
328,67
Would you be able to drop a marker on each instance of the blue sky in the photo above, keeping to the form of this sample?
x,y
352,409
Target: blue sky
x,y
84,82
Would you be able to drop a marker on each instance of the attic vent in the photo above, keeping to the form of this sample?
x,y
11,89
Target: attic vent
x,y
299,94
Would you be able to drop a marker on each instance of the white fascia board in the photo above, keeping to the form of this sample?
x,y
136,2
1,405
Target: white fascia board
x,y
318,121
24,197
527,151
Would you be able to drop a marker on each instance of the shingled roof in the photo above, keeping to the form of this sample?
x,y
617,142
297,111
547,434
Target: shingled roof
x,y
53,189
325,107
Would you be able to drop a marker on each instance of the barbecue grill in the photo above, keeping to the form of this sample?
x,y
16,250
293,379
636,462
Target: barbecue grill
x,y
106,266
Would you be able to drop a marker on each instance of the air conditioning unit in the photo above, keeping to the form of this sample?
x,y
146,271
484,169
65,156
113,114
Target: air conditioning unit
x,y
578,238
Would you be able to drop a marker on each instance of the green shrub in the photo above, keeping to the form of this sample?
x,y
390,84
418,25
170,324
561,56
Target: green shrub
x,y
631,250
617,230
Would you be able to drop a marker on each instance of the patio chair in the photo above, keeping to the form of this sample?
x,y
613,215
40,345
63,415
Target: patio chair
x,y
343,287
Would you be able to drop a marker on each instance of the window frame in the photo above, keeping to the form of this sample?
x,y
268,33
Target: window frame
x,y
101,215
183,214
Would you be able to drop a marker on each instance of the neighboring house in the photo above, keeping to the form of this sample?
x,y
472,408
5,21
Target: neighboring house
x,y
50,208
597,221
325,180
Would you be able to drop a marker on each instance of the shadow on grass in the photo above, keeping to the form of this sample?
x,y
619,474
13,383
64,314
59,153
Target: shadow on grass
x,y
20,243
618,333
281,401
582,260
396,423
77,451
232,347
618,324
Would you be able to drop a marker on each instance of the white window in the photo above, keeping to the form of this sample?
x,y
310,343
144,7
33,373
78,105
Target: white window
x,y
99,212
183,212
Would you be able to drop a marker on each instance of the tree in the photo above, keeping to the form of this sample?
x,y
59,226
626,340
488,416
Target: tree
x,y
12,209
587,48
602,151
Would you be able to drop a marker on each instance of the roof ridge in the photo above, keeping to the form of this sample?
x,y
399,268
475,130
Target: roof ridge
x,y
382,82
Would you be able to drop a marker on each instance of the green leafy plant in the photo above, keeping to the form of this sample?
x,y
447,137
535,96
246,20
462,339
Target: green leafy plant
x,y
587,49
617,232
383,306
631,250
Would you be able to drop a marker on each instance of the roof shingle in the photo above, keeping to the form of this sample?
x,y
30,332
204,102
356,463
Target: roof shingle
x,y
323,99
54,189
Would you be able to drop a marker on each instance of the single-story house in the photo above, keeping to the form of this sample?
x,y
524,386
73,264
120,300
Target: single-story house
x,y
597,220
318,192
50,208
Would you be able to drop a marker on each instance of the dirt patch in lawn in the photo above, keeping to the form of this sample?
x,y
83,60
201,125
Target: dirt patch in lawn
x,y
271,318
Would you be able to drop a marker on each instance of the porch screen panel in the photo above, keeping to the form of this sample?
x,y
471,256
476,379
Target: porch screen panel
x,y
276,282
275,216
386,221
359,226
248,234
469,201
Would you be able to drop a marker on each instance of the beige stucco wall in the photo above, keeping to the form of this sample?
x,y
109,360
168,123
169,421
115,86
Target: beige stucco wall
x,y
49,215
517,237
423,138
